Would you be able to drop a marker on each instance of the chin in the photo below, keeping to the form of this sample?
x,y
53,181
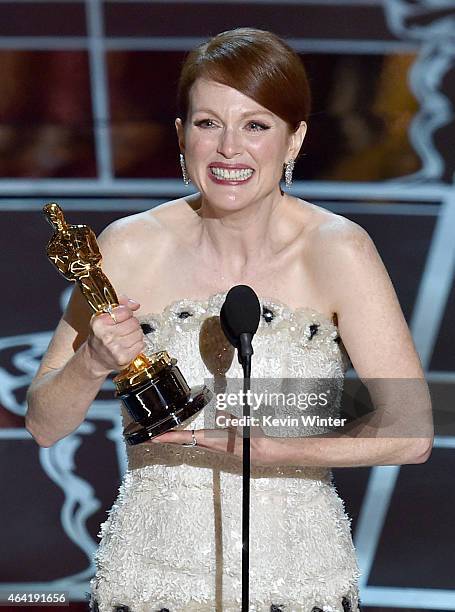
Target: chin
x,y
229,201
228,198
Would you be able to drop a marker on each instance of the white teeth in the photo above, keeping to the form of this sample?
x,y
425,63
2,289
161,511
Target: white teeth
x,y
232,175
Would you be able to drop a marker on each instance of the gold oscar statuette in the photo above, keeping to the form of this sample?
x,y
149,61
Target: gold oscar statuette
x,y
152,388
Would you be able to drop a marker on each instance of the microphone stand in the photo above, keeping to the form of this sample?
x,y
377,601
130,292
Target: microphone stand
x,y
244,355
242,310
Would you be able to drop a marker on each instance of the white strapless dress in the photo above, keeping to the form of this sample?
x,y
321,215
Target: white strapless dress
x,y
173,538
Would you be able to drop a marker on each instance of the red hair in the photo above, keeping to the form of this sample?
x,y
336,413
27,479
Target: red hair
x,y
257,63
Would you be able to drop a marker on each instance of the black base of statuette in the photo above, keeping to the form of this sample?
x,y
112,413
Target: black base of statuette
x,y
199,396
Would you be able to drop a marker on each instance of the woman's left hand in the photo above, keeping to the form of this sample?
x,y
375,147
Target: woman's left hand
x,y
225,441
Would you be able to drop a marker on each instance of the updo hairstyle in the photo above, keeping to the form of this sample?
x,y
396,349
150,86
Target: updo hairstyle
x,y
258,64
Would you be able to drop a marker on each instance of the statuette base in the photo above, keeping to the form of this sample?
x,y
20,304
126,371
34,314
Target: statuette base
x,y
135,433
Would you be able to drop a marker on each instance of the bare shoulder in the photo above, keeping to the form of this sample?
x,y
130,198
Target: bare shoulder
x,y
310,217
325,233
357,283
154,232
129,234
343,250
335,240
340,232
329,229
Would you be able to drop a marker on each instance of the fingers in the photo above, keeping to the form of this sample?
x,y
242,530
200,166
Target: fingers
x,y
124,300
219,441
116,340
123,327
137,348
131,340
172,437
124,356
119,313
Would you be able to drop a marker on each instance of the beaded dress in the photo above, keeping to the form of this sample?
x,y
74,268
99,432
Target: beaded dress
x,y
173,539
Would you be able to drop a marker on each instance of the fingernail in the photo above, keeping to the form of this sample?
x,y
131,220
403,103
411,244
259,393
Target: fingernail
x,y
133,301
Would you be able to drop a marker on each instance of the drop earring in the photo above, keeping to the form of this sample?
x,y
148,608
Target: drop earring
x,y
288,169
186,178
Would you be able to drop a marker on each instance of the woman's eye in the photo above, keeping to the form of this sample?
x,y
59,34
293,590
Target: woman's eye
x,y
204,123
257,127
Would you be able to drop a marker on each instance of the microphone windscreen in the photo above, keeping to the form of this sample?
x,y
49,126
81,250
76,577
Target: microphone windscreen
x,y
226,327
241,311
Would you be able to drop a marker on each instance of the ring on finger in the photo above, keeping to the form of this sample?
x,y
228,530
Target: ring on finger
x,y
110,311
194,442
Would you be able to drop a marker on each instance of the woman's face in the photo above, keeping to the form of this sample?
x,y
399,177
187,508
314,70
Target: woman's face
x,y
234,148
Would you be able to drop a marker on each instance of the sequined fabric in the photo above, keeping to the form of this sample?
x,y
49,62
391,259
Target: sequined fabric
x,y
173,537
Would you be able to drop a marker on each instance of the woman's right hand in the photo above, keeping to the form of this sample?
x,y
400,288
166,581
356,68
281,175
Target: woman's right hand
x,y
112,346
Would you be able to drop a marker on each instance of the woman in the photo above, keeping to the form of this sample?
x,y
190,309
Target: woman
x,y
173,538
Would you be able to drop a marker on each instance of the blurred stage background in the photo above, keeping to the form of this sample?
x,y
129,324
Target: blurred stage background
x,y
86,118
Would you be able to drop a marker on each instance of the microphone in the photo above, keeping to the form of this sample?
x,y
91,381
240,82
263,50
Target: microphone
x,y
239,319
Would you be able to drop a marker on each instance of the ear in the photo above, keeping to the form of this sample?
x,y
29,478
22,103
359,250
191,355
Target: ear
x,y
180,133
296,140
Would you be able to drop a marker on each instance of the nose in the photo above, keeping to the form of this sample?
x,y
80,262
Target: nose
x,y
229,143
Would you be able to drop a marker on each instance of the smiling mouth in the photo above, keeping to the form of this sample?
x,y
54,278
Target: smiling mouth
x,y
231,175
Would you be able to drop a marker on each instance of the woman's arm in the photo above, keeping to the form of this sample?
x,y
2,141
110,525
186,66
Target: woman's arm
x,y
82,352
59,397
342,451
376,336
64,387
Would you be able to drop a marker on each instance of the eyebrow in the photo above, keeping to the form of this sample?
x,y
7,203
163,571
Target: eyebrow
x,y
243,115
